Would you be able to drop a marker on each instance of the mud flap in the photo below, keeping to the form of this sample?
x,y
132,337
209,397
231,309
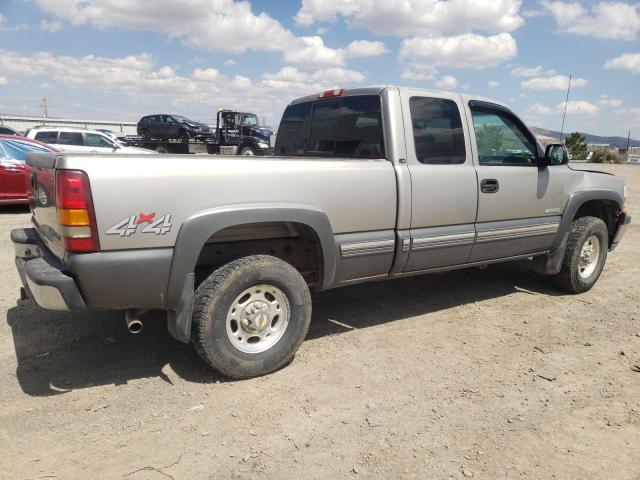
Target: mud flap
x,y
179,321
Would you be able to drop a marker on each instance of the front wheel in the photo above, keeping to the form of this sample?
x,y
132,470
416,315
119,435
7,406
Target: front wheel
x,y
247,151
251,316
585,255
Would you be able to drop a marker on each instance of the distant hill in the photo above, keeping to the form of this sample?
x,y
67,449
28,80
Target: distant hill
x,y
618,142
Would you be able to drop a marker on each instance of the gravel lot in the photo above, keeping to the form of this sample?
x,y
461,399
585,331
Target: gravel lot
x,y
429,377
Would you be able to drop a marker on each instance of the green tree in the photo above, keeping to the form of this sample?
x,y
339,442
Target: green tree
x,y
577,146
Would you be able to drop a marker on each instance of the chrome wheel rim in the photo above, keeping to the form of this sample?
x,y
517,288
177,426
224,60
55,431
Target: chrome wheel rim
x,y
589,257
257,318
247,151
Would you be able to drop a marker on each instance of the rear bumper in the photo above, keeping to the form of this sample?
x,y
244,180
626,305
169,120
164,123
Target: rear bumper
x,y
43,276
623,224
114,280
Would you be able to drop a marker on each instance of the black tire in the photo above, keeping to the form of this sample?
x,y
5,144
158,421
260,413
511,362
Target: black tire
x,y
162,149
144,133
248,151
214,298
581,230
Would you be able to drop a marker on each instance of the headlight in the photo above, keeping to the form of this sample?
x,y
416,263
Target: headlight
x,y
263,145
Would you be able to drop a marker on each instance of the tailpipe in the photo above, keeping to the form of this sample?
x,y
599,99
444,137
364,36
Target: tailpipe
x,y
132,319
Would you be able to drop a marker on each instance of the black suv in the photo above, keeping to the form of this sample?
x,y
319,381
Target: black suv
x,y
171,126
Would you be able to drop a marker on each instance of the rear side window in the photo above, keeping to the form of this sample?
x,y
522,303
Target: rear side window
x,y
47,137
71,138
349,127
437,131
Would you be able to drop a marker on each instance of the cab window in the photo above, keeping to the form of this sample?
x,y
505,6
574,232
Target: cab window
x,y
347,127
95,140
501,139
70,138
437,131
47,137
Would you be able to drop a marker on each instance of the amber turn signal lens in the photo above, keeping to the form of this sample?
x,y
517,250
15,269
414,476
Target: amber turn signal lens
x,y
73,217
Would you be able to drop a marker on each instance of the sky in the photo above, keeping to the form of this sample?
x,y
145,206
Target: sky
x,y
121,59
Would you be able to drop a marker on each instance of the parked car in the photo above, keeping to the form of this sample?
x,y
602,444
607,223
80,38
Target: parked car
x,y
9,131
78,140
371,184
14,171
165,126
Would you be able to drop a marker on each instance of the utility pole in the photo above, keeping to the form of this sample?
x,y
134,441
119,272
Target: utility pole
x,y
566,101
628,142
45,108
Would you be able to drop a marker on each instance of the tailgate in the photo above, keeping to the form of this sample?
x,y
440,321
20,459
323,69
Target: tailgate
x,y
42,201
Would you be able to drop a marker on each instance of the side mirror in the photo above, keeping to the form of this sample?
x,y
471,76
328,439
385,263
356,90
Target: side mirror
x,y
554,154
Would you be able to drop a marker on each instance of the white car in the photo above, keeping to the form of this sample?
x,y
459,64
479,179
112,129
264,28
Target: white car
x,y
77,140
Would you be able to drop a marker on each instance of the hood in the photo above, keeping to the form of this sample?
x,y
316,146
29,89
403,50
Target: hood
x,y
260,132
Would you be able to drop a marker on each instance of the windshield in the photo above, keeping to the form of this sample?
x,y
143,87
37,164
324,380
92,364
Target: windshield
x,y
250,120
180,119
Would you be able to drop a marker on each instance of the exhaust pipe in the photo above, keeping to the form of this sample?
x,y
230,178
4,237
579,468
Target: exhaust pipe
x,y
132,319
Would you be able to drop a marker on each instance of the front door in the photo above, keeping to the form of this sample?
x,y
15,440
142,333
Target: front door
x,y
519,204
444,186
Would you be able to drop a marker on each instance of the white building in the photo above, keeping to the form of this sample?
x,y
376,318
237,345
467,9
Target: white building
x,y
22,123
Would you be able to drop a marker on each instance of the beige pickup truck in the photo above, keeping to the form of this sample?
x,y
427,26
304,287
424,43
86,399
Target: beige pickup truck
x,y
367,184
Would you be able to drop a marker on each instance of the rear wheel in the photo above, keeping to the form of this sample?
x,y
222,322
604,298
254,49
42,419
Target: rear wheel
x,y
162,149
251,316
585,255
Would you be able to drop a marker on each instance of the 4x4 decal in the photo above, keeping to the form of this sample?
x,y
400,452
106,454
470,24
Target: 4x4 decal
x,y
129,225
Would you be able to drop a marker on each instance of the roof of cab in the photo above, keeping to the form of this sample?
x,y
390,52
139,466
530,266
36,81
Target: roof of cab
x,y
376,90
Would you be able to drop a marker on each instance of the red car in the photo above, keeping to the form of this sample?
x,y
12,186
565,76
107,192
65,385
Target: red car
x,y
14,171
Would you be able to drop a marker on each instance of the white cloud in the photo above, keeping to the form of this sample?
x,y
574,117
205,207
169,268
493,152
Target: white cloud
x,y
216,25
626,61
579,107
51,26
230,62
312,51
465,51
527,71
3,80
605,101
420,72
574,107
538,108
615,20
447,82
153,87
415,17
365,48
493,83
556,82
628,111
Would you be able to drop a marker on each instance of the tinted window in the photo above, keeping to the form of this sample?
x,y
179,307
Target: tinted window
x,y
47,137
7,131
501,139
359,132
292,134
95,140
70,138
437,131
348,127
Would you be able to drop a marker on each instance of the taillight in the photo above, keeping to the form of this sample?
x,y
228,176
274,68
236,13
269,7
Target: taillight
x,y
332,93
76,217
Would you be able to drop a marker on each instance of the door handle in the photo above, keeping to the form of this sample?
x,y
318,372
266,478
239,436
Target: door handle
x,y
489,185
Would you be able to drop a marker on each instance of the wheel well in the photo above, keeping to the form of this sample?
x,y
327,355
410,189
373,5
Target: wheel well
x,y
606,210
295,243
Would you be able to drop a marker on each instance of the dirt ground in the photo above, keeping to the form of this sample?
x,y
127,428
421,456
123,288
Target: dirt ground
x,y
430,377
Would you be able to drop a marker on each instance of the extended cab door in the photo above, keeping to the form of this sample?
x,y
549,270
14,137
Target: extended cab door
x,y
519,204
444,190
